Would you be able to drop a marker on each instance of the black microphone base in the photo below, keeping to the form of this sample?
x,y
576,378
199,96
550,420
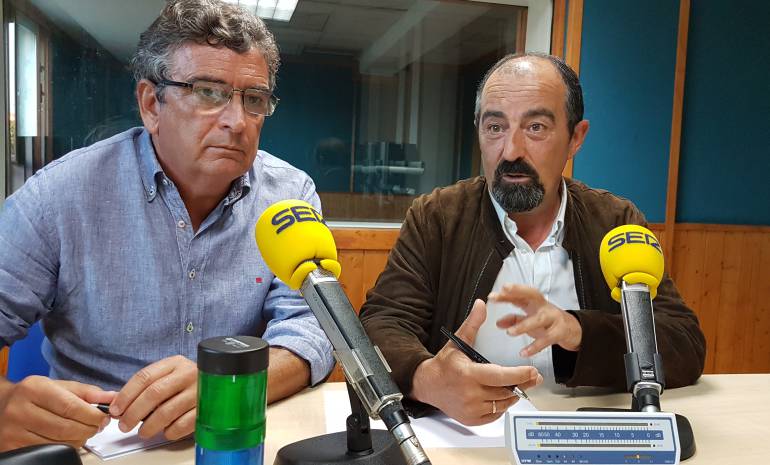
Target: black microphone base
x,y
333,449
57,454
683,427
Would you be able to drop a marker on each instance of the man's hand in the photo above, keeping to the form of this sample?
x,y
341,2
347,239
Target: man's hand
x,y
164,394
544,322
471,393
39,410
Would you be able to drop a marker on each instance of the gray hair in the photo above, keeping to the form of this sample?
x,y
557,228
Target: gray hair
x,y
211,22
574,100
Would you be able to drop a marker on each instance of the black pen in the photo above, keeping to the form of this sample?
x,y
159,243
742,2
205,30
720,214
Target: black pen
x,y
105,408
471,353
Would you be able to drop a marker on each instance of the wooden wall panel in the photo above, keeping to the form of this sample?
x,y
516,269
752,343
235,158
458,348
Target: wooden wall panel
x,y
688,266
729,326
707,302
351,278
722,273
747,310
364,239
762,309
374,263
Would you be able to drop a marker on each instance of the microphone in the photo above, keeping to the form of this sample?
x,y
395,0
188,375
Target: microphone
x,y
299,249
632,264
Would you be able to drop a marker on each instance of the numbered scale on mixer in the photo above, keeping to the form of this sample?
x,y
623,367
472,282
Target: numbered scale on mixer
x,y
592,438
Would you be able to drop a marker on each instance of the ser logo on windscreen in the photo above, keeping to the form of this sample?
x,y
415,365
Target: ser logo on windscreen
x,y
633,237
299,214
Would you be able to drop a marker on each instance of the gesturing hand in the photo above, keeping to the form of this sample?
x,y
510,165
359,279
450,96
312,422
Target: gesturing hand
x,y
545,322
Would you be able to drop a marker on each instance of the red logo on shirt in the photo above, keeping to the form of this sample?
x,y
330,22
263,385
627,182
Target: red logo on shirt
x,y
259,280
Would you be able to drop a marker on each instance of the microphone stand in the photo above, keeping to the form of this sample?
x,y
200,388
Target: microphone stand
x,y
358,445
644,366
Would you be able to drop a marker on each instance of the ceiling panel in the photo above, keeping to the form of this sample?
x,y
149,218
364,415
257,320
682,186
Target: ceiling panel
x,y
451,32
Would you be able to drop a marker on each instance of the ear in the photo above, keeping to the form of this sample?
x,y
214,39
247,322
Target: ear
x,y
578,136
149,106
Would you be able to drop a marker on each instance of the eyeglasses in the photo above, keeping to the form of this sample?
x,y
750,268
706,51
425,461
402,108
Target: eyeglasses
x,y
214,96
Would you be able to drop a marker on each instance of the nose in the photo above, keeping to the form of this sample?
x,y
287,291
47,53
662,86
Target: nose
x,y
515,146
233,115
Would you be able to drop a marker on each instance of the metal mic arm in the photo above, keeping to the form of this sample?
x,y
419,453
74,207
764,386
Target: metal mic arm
x,y
644,366
365,368
357,366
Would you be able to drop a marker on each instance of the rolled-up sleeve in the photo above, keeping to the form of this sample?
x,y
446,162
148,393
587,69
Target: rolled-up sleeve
x,y
292,325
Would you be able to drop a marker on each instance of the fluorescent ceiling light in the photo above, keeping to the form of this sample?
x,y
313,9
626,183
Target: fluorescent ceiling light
x,y
278,10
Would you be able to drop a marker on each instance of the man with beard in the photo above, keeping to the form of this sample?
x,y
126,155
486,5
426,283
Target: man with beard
x,y
522,235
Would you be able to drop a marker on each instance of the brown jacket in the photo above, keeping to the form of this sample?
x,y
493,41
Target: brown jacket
x,y
449,253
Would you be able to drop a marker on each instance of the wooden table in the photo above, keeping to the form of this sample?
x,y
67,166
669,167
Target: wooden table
x,y
730,415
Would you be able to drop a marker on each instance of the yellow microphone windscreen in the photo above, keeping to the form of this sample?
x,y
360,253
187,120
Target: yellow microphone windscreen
x,y
631,253
293,239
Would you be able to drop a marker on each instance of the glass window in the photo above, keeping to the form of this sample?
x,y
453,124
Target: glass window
x,y
377,96
68,85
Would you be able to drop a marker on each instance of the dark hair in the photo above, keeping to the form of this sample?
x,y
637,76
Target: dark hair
x,y
574,101
211,22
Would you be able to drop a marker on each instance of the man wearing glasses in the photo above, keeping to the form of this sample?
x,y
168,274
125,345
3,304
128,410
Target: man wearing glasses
x,y
136,248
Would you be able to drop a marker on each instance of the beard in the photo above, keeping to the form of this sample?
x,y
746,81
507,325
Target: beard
x,y
517,197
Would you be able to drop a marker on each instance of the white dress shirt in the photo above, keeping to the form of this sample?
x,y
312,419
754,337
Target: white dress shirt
x,y
548,269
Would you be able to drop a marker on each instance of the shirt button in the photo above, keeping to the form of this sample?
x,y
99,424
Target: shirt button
x,y
191,274
189,328
181,224
165,182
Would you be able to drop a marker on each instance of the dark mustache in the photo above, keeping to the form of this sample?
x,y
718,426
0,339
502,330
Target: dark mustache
x,y
518,166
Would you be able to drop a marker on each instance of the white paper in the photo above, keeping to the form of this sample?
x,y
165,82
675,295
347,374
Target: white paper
x,y
112,443
434,431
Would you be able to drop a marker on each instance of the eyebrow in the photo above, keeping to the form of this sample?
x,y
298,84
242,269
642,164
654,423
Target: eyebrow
x,y
208,78
532,113
492,114
535,112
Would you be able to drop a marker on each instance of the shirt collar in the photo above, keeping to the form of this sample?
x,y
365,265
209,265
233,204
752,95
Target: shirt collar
x,y
149,166
239,188
151,172
557,230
